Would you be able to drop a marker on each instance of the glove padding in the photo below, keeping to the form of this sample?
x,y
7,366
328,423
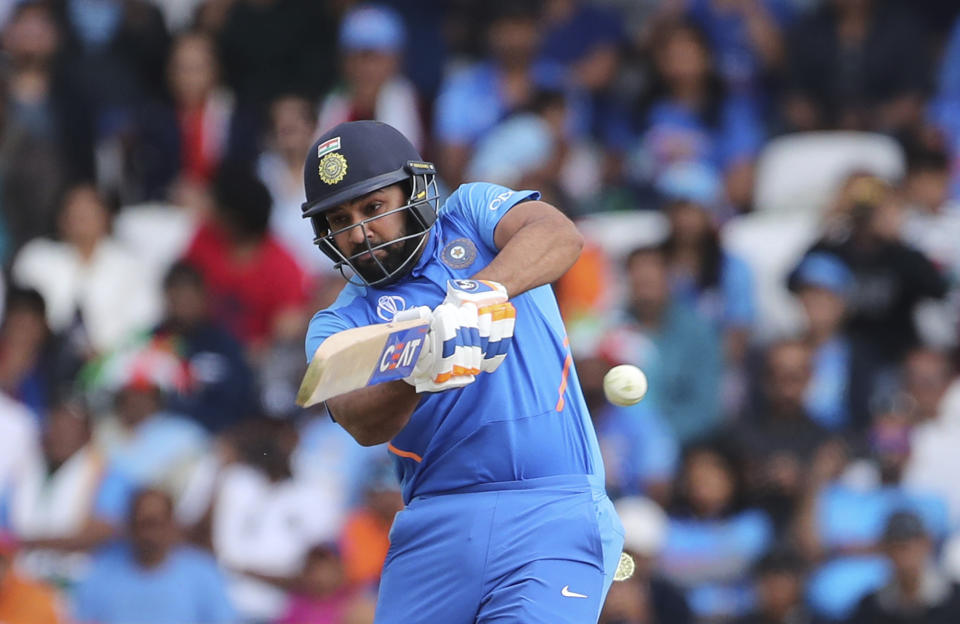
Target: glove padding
x,y
451,355
496,316
478,292
495,324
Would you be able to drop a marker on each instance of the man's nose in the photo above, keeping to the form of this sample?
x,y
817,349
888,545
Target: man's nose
x,y
358,234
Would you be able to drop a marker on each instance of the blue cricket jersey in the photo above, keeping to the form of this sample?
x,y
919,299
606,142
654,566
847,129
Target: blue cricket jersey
x,y
525,420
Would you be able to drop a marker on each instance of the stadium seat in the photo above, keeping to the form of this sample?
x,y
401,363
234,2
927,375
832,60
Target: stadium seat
x,y
800,172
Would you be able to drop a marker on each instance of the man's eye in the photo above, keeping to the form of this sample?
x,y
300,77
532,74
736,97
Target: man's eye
x,y
374,207
337,222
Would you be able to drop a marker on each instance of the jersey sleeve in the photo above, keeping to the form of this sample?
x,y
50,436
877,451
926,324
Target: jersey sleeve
x,y
482,205
324,324
331,320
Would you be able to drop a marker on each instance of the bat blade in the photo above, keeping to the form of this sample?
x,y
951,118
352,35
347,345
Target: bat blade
x,y
360,357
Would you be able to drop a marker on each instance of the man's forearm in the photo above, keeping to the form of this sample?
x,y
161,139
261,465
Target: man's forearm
x,y
375,414
539,253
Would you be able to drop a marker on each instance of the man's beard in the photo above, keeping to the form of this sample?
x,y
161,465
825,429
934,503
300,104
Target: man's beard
x,y
396,255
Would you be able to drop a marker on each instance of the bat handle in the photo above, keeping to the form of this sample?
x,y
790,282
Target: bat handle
x,y
422,313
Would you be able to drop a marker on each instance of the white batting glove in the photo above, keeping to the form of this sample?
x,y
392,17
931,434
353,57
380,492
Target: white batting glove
x,y
496,324
451,355
497,316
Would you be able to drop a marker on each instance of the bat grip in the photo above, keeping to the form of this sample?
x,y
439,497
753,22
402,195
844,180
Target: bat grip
x,y
422,313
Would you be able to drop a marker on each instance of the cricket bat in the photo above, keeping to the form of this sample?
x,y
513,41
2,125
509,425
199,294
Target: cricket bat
x,y
360,357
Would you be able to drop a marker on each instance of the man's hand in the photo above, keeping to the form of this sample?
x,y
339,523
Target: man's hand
x,y
451,355
470,332
496,316
478,292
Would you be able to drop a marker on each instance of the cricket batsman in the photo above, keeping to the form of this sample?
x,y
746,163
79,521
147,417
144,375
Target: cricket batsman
x,y
506,517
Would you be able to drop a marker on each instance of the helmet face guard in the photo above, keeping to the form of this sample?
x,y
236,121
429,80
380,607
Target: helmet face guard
x,y
421,210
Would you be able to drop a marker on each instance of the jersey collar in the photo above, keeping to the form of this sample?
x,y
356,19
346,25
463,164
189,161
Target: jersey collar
x,y
429,250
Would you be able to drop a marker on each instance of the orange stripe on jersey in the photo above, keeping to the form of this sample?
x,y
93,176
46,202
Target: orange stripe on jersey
x,y
407,454
563,377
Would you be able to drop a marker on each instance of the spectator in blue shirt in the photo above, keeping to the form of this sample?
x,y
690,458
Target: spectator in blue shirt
x,y
943,109
746,37
676,346
473,100
704,275
586,40
150,579
688,115
822,283
714,537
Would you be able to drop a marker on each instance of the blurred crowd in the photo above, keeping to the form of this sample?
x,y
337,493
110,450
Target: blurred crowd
x,y
770,195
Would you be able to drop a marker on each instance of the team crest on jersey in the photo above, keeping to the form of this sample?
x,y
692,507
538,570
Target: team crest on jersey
x,y
389,305
333,167
459,253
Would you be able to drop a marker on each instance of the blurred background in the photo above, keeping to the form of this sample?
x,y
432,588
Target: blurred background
x,y
769,192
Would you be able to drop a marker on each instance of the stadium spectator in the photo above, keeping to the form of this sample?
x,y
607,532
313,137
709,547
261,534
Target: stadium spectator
x,y
714,537
171,583
932,221
474,99
372,39
718,284
856,64
645,596
779,587
942,112
931,224
890,279
918,592
23,601
529,149
34,364
185,139
257,289
935,438
293,125
587,40
822,283
746,38
19,443
51,504
640,452
677,348
847,512
324,595
145,445
687,115
272,47
221,392
365,537
114,52
265,518
91,284
777,434
42,141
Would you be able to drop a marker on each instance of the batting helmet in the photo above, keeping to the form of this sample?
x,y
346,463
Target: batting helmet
x,y
359,157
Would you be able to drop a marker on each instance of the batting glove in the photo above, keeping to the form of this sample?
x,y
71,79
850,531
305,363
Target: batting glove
x,y
451,355
495,324
497,316
478,292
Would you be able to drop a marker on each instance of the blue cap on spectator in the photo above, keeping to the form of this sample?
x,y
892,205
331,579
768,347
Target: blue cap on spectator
x,y
693,182
372,27
823,270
